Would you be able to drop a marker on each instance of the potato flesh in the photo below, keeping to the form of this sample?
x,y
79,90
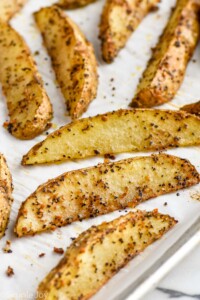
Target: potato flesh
x,y
98,253
117,132
5,195
102,189
193,108
119,19
9,7
166,69
28,105
72,57
71,4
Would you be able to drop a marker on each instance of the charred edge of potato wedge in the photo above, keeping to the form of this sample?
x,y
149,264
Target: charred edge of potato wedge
x,y
193,108
118,21
5,194
73,4
95,191
100,252
8,8
29,107
72,56
166,69
117,132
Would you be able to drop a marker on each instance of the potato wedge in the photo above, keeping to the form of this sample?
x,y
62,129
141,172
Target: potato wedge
x,y
9,7
166,69
117,132
72,4
5,195
72,57
119,19
193,108
28,104
91,192
100,252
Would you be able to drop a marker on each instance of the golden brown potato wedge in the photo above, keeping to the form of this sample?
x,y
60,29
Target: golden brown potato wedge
x,y
9,7
119,19
117,132
91,192
193,108
166,69
100,252
72,4
5,195
72,57
28,104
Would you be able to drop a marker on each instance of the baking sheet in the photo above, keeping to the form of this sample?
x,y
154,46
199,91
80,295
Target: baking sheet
x,y
113,94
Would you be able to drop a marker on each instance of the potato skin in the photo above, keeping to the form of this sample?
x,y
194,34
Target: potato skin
x,y
193,108
28,104
5,194
166,68
95,191
100,252
119,19
72,57
9,7
117,132
72,4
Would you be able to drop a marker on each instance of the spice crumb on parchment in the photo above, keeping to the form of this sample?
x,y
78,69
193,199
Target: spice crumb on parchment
x,y
7,247
58,250
9,271
41,255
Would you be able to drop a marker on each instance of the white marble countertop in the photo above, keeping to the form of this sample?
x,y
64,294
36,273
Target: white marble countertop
x,y
183,282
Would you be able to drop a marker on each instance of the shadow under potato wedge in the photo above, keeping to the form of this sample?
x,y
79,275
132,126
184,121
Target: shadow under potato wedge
x,y
9,7
95,191
100,252
5,194
30,110
72,4
167,66
72,56
118,21
117,132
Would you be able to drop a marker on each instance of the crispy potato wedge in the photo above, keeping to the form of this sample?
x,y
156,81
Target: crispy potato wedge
x,y
91,192
166,69
5,195
72,4
72,57
9,7
119,19
100,252
193,108
117,132
28,104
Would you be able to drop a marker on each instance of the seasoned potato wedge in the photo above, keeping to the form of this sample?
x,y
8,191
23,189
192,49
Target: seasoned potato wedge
x,y
166,69
115,132
5,194
91,192
9,7
119,19
71,4
100,252
29,107
193,108
72,57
